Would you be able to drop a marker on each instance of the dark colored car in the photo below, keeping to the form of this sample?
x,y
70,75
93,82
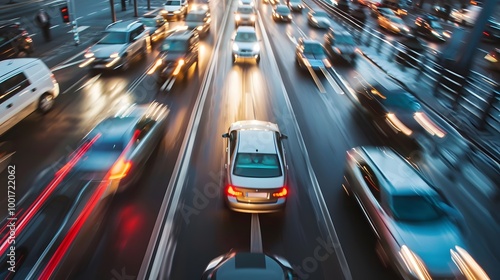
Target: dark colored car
x,y
120,146
247,265
295,5
156,25
199,20
282,13
14,42
319,19
311,54
340,44
429,27
398,115
491,32
178,53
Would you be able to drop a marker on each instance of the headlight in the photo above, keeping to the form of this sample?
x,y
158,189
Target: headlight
x,y
252,18
177,12
89,55
326,62
199,28
290,16
256,48
399,126
237,17
235,48
114,55
436,34
414,264
314,20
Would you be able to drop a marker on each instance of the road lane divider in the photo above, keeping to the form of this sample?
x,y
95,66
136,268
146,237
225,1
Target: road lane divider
x,y
255,235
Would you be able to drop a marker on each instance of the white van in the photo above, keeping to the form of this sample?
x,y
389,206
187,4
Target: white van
x,y
26,84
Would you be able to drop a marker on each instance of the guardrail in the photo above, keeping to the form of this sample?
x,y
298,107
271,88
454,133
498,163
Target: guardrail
x,y
476,97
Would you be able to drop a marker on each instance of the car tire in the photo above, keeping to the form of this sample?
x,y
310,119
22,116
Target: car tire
x,y
45,103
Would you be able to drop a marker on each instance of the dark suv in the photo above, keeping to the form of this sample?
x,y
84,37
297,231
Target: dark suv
x,y
14,41
178,53
429,26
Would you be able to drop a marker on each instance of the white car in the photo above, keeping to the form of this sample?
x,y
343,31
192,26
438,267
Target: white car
x,y
246,45
26,84
174,9
466,16
256,170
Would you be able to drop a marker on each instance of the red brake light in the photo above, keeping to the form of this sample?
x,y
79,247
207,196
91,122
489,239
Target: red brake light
x,y
281,193
120,169
232,192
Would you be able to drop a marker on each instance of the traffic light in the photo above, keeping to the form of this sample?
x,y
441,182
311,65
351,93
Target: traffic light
x,y
65,14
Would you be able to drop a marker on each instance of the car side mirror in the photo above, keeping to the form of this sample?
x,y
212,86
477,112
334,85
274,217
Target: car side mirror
x,y
225,135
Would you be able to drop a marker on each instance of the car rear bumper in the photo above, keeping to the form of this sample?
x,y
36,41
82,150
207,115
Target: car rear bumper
x,y
261,207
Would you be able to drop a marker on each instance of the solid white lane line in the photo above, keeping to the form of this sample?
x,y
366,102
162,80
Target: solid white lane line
x,y
332,82
60,67
323,209
255,235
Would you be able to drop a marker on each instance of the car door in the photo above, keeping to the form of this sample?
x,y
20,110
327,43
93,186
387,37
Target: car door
x,y
144,144
14,100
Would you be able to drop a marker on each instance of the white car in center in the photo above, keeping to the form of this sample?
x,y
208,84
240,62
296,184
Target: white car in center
x,y
246,45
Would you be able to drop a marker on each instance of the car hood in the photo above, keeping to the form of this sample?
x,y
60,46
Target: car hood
x,y
193,24
105,50
170,57
245,45
257,183
432,242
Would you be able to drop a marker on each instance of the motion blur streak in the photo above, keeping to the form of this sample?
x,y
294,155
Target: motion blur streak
x,y
82,218
40,200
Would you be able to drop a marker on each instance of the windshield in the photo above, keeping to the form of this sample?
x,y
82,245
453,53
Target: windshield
x,y
435,25
397,20
246,37
320,14
195,17
345,39
283,10
114,38
149,22
402,100
416,208
108,145
245,10
257,165
173,3
313,48
173,45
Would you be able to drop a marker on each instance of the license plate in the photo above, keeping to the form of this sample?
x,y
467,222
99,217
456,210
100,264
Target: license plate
x,y
257,195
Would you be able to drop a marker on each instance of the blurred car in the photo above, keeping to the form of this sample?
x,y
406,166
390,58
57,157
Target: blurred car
x,y
123,41
282,13
396,7
156,25
249,265
199,19
466,17
174,9
246,45
430,27
319,19
393,24
247,2
398,115
245,15
14,41
178,53
359,15
491,31
441,11
381,11
311,54
256,169
419,233
121,145
493,58
340,44
295,5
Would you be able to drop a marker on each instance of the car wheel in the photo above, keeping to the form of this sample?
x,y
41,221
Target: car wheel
x,y
46,103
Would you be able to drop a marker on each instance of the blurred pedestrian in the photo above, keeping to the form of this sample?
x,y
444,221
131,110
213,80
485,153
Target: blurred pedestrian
x,y
42,19
124,5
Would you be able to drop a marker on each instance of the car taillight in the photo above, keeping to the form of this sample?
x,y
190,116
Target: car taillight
x,y
120,169
232,192
283,192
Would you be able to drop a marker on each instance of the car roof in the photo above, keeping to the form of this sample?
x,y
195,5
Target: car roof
x,y
123,26
250,266
248,29
9,65
114,129
198,11
401,177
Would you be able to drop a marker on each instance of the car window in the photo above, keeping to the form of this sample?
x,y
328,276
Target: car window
x,y
12,86
108,145
401,101
150,22
435,24
173,3
195,17
370,180
416,208
257,165
246,37
114,38
245,10
280,145
313,48
283,9
174,45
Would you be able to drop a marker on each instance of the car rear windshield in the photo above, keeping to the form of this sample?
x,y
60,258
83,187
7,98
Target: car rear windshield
x,y
416,208
257,165
195,17
108,145
114,38
245,37
245,10
174,45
